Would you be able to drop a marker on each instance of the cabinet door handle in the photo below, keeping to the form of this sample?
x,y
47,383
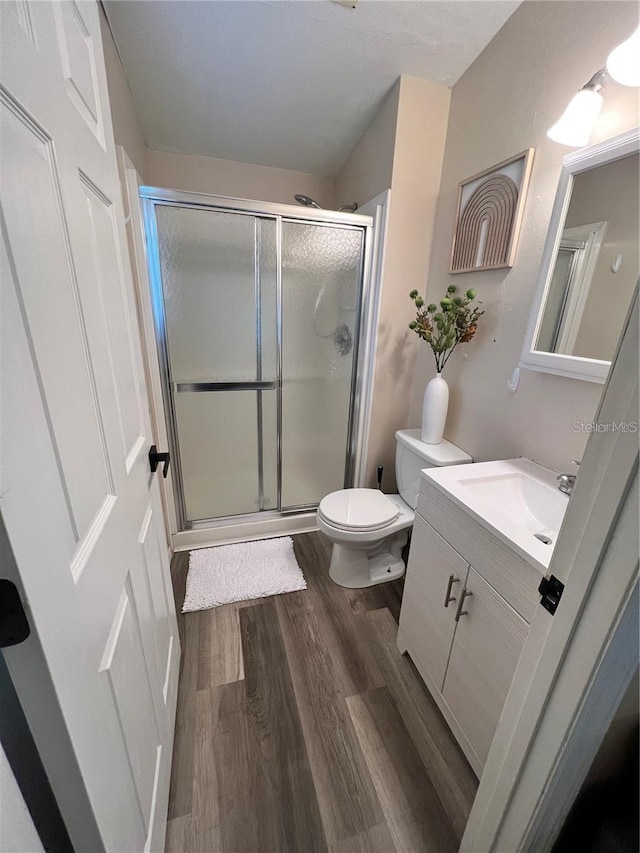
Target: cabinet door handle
x,y
460,612
448,597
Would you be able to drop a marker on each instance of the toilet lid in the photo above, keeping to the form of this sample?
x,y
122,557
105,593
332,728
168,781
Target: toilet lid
x,y
358,509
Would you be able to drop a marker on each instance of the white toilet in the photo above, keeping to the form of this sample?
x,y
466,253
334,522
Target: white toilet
x,y
368,528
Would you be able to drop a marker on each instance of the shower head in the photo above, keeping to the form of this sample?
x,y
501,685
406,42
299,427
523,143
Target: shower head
x,y
306,201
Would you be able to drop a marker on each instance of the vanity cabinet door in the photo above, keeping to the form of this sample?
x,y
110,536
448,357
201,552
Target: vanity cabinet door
x,y
427,624
488,642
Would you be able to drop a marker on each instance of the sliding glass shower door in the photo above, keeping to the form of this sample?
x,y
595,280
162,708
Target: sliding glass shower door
x,y
321,283
257,323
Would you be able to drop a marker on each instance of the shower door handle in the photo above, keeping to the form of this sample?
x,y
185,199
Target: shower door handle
x,y
182,387
156,458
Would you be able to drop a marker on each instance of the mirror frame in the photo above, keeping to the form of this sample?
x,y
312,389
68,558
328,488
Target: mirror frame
x,y
576,367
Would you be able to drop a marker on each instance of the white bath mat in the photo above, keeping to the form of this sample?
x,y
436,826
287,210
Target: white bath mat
x,y
239,572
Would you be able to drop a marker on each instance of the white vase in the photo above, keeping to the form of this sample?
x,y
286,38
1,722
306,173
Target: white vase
x,y
434,410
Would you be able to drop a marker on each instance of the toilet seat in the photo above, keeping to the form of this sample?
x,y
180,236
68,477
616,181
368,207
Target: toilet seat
x,y
368,530
358,509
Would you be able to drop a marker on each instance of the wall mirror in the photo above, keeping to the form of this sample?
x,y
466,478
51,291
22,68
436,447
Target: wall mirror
x,y
590,264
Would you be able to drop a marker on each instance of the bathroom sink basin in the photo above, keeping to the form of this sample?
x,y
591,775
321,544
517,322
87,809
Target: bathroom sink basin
x,y
516,499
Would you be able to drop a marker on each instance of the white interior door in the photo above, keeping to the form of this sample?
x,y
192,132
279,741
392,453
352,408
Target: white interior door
x,y
82,510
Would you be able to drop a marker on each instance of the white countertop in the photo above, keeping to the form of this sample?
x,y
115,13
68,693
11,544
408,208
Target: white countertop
x,y
512,498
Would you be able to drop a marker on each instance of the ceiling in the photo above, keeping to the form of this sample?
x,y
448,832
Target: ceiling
x,y
292,83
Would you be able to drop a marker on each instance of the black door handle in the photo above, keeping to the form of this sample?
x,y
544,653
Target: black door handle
x,y
156,458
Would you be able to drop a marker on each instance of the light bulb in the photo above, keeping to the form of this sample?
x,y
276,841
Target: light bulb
x,y
576,123
623,63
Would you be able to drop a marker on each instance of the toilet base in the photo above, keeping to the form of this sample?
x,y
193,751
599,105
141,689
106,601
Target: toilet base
x,y
358,567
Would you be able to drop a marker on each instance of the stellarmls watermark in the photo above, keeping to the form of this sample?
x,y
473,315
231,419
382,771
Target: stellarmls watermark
x,y
612,426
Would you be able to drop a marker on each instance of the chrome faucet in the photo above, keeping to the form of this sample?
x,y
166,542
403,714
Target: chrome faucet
x,y
567,481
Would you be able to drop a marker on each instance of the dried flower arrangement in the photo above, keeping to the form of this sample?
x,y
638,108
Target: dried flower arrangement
x,y
455,322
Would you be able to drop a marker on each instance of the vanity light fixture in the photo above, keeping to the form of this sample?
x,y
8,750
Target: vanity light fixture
x,y
623,63
576,123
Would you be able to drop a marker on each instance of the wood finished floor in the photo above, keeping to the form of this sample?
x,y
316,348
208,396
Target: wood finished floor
x,y
300,728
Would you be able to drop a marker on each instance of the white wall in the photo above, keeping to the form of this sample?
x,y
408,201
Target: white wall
x,y
241,180
368,169
127,129
17,832
403,150
503,104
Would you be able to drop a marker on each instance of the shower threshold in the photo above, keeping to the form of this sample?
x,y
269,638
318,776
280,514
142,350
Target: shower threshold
x,y
243,528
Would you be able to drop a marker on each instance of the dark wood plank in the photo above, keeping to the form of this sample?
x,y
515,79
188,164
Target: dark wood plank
x,y
179,569
414,814
185,730
219,647
177,839
277,731
451,773
347,798
235,806
352,658
225,817
205,830
378,597
375,840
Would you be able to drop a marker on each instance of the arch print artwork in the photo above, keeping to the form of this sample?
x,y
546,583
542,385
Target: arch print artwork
x,y
489,215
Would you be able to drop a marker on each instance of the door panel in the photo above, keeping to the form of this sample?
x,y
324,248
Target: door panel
x,y
67,375
78,61
123,662
160,598
20,10
321,281
219,461
110,310
80,506
214,265
208,263
489,639
154,636
426,625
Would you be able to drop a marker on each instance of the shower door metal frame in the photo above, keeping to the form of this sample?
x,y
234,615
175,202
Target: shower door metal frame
x,y
153,196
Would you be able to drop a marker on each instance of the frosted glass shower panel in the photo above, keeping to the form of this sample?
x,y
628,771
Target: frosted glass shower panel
x,y
321,281
257,317
208,262
220,452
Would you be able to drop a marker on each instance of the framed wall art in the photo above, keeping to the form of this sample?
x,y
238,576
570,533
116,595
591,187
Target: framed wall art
x,y
489,214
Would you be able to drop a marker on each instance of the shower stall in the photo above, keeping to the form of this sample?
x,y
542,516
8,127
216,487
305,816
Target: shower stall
x,y
258,313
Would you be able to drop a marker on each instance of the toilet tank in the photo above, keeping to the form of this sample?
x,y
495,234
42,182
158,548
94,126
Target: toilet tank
x,y
412,455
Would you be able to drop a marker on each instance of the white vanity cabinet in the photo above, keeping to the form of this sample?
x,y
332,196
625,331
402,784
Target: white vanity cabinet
x,y
466,608
434,568
488,642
